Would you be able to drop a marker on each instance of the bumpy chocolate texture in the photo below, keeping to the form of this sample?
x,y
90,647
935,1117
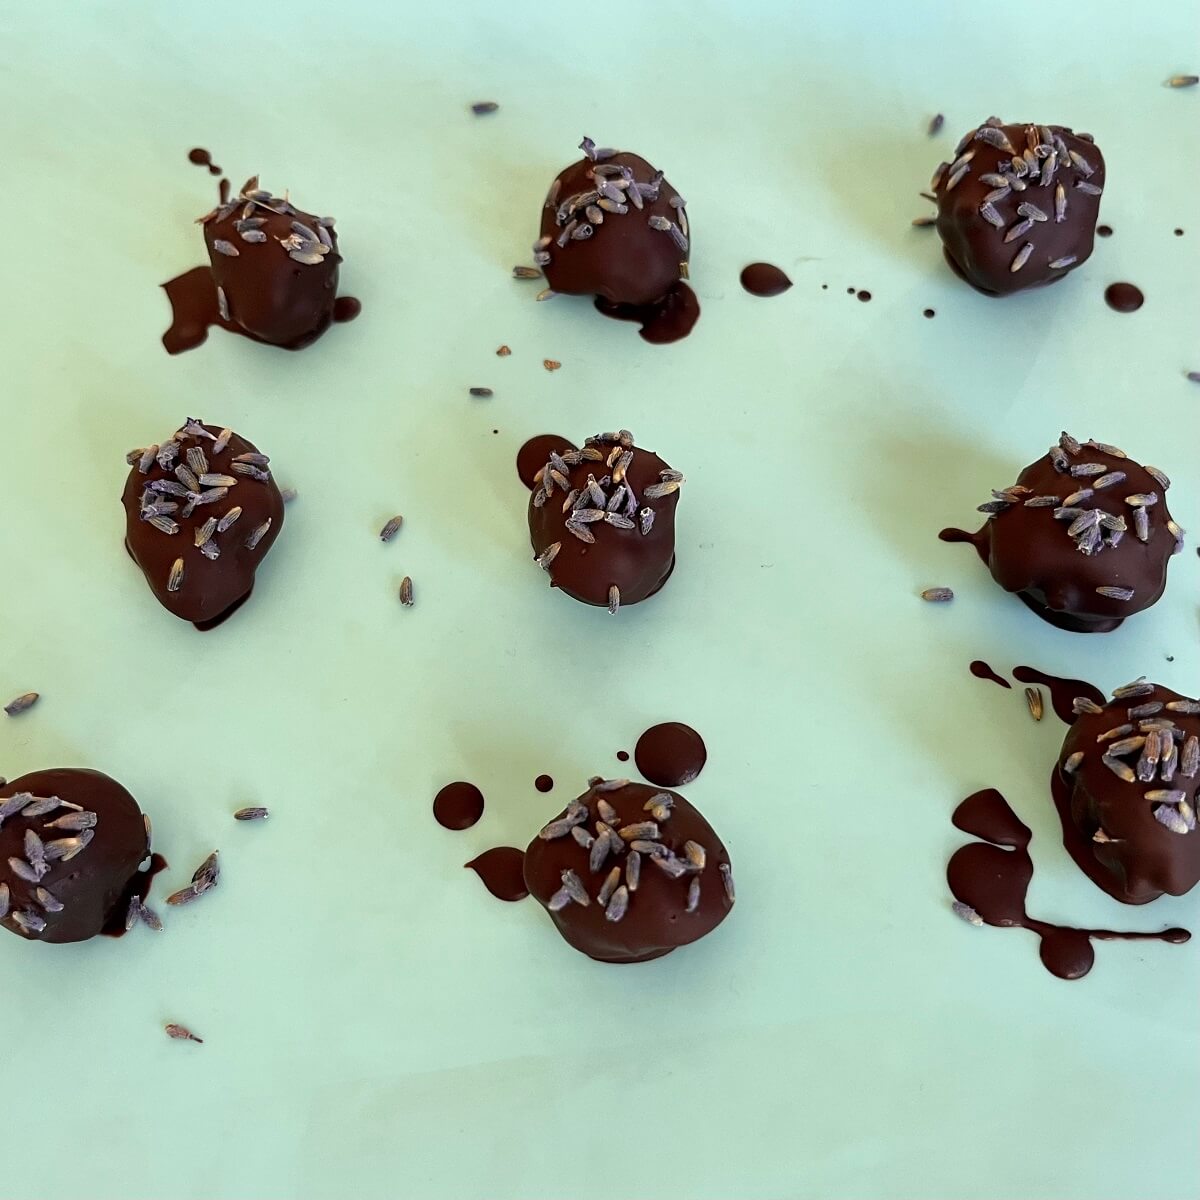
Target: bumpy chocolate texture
x,y
602,520
201,512
275,267
70,845
1018,205
1131,769
630,872
613,227
1083,537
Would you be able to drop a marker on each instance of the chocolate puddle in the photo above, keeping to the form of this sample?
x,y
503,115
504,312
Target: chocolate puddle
x,y
992,877
1062,691
502,871
764,279
458,805
670,754
981,670
668,320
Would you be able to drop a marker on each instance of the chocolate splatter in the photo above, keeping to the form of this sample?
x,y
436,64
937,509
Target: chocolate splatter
x,y
1062,691
1124,297
764,279
202,158
544,783
1104,231
929,313
346,308
669,320
992,878
962,535
458,805
670,754
532,456
981,670
502,871
622,755
863,295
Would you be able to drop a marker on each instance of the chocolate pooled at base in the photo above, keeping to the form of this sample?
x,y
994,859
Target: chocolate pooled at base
x,y
1018,205
201,512
274,266
602,520
629,872
71,844
612,227
1125,787
1083,537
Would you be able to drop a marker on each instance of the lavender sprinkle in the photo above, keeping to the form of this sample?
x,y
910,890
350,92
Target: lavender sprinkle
x,y
21,703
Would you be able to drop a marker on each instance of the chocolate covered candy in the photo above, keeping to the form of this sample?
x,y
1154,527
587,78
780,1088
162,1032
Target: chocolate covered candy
x,y
1126,784
629,872
201,512
1083,537
1018,205
602,520
612,227
275,267
71,845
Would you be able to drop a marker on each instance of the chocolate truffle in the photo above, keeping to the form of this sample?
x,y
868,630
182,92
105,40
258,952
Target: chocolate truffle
x,y
613,227
602,520
1127,778
71,842
275,267
1083,537
201,512
630,872
1018,205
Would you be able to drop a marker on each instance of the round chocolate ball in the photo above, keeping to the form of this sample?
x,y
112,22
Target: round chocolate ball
x,y
71,842
602,520
201,512
613,227
275,267
1018,205
630,872
1126,784
1083,537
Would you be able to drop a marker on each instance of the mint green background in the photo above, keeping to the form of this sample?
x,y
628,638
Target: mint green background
x,y
375,1024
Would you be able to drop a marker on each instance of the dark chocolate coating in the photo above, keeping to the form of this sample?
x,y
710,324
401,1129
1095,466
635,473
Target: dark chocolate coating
x,y
625,260
1029,551
1142,858
268,291
637,564
976,247
94,883
210,587
656,921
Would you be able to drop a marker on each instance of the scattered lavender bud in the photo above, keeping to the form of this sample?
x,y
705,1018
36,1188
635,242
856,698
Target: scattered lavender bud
x,y
21,703
181,1033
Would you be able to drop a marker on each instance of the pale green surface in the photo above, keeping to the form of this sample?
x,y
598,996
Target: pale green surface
x,y
376,1024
